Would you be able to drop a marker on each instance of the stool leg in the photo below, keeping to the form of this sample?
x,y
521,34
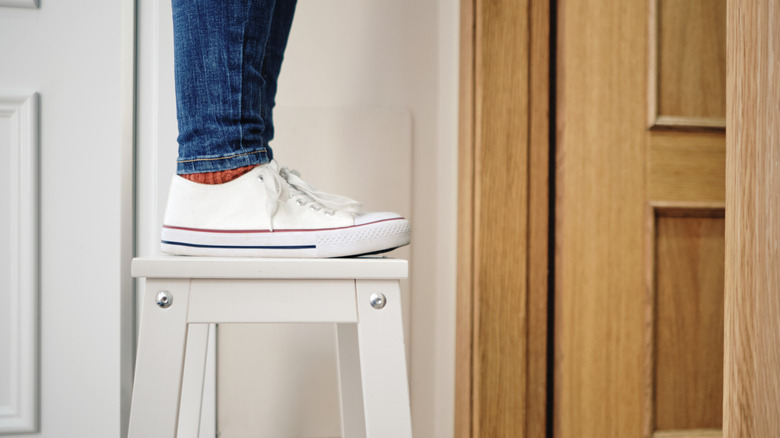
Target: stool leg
x,y
159,363
208,407
383,360
192,381
353,424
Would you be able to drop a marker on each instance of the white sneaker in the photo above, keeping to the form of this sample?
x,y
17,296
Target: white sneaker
x,y
272,212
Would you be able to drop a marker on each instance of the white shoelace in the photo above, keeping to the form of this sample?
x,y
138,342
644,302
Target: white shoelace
x,y
282,184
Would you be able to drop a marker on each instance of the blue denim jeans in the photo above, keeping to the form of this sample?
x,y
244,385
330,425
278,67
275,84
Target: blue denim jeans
x,y
228,54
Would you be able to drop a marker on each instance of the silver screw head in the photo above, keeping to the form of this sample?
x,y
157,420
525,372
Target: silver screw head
x,y
164,299
378,301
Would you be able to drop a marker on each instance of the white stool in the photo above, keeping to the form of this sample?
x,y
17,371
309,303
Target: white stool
x,y
183,295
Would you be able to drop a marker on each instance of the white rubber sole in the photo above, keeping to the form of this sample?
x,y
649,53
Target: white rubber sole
x,y
374,237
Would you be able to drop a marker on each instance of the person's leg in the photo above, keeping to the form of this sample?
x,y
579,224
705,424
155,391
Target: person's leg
x,y
272,61
219,49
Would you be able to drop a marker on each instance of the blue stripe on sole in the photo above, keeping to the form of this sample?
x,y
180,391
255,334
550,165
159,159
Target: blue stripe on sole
x,y
194,245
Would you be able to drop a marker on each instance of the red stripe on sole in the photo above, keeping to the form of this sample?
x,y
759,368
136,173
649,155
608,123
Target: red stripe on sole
x,y
205,230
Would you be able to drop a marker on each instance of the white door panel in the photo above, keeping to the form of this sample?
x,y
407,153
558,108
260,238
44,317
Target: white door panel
x,y
67,226
18,262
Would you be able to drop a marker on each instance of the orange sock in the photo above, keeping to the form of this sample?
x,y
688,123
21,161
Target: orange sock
x,y
220,177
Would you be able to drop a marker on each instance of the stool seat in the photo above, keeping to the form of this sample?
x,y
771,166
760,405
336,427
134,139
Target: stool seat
x,y
184,295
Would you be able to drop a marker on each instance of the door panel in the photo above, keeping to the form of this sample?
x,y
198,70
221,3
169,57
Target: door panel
x,y
690,67
688,335
639,218
66,233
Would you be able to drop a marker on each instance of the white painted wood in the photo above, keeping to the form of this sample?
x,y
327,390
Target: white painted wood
x,y
193,381
125,177
383,361
19,263
353,423
225,267
169,380
159,363
79,56
30,4
208,409
198,389
272,301
157,128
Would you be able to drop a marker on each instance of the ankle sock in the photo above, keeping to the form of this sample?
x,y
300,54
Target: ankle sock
x,y
220,177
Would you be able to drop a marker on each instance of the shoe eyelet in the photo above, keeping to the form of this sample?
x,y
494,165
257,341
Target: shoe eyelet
x,y
300,202
329,212
260,177
315,207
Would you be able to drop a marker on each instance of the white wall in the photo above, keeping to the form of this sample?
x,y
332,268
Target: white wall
x,y
390,61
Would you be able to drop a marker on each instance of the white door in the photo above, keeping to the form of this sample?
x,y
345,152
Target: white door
x,y
66,219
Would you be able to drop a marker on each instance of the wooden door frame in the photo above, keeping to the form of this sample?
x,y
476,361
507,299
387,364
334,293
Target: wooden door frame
x,y
503,219
751,405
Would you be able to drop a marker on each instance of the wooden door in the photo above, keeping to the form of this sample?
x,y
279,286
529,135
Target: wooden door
x,y
639,218
501,369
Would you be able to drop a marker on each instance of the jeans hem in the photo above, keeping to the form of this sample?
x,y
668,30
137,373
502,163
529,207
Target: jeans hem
x,y
185,166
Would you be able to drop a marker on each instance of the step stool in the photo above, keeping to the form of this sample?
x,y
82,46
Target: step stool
x,y
183,295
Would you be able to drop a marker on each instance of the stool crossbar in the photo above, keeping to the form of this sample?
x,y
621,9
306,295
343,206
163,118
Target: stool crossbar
x,y
183,295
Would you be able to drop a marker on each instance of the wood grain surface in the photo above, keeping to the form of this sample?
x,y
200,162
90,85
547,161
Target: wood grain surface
x,y
600,223
686,166
691,67
503,224
695,433
688,381
752,341
620,361
538,218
